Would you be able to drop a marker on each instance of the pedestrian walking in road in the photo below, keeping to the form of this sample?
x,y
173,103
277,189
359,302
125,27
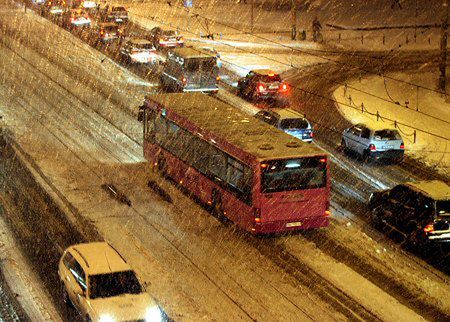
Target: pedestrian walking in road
x,y
396,3
316,27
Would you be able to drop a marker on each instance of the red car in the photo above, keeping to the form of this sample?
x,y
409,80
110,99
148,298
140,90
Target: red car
x,y
262,84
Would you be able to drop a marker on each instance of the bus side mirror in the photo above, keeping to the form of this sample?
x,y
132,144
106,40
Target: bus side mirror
x,y
141,114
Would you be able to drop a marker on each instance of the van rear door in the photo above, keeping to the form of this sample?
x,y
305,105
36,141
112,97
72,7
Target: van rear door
x,y
201,74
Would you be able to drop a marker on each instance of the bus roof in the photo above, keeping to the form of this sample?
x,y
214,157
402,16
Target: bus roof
x,y
189,52
228,123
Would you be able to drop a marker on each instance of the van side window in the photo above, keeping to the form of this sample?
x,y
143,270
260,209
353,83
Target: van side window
x,y
75,268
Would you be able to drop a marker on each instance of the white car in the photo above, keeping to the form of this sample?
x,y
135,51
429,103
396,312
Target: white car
x,y
141,51
100,284
373,142
77,18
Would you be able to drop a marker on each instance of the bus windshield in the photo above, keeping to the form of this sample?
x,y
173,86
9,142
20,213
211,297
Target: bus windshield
x,y
293,174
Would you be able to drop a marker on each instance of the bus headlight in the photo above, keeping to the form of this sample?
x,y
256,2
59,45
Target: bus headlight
x,y
153,314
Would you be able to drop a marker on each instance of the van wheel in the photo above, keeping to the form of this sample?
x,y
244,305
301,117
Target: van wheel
x,y
343,146
66,298
366,157
216,206
162,166
376,221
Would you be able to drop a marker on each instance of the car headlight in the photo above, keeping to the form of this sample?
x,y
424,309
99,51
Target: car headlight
x,y
106,318
153,314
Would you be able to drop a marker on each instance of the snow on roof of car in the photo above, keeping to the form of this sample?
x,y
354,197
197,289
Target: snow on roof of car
x,y
287,113
266,72
435,189
189,52
139,41
107,24
377,126
100,258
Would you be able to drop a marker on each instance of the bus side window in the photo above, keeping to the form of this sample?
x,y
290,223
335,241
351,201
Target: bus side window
x,y
160,130
150,125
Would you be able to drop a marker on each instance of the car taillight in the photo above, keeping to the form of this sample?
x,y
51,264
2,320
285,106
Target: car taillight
x,y
218,78
283,88
261,88
102,32
257,213
402,145
311,134
184,80
134,51
428,228
372,147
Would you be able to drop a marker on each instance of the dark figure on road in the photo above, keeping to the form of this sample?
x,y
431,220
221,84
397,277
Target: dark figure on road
x,y
316,27
396,3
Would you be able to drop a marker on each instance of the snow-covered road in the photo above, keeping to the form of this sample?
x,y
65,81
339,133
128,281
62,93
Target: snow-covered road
x,y
67,109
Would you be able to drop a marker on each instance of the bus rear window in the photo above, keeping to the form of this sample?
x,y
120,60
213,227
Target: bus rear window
x,y
293,174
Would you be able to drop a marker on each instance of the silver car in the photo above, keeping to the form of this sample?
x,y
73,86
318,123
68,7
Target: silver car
x,y
373,143
289,121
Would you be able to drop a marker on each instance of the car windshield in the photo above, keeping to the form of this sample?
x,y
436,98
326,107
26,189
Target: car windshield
x,y
111,29
114,284
270,79
293,174
443,208
169,33
294,124
200,64
143,46
387,135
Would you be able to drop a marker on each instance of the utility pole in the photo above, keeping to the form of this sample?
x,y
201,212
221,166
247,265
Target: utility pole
x,y
294,19
444,36
251,16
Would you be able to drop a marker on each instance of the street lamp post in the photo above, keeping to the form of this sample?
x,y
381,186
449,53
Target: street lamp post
x,y
444,36
294,19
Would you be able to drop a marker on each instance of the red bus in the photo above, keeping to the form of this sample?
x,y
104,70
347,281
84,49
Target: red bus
x,y
261,178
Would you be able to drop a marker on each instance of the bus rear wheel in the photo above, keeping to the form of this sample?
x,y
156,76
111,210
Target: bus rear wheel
x,y
216,206
162,166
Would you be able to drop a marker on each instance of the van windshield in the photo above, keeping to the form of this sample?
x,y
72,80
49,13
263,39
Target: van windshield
x,y
203,64
114,284
294,124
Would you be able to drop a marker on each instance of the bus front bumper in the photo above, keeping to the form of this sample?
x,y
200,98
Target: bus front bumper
x,y
284,226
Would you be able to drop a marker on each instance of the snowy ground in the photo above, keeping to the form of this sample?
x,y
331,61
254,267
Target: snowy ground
x,y
22,281
427,111
174,247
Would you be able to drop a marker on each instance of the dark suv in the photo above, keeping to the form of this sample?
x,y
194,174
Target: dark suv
x,y
419,212
262,84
